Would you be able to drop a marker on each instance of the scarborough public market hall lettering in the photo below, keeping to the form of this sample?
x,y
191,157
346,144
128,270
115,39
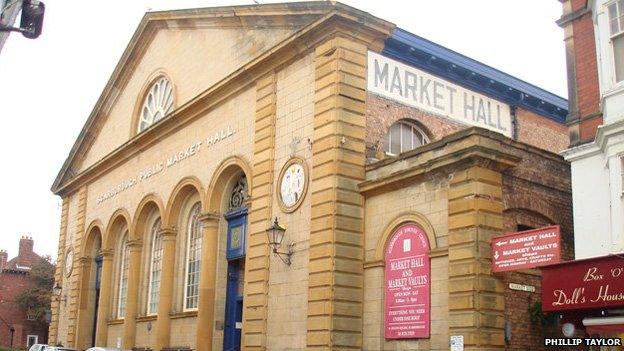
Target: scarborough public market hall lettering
x,y
413,87
190,151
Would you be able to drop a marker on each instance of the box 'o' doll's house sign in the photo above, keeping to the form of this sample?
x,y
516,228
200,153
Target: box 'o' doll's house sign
x,y
407,279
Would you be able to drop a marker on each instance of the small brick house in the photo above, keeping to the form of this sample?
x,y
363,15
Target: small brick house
x,y
15,278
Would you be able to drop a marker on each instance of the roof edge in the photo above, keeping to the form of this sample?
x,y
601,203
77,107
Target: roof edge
x,y
446,63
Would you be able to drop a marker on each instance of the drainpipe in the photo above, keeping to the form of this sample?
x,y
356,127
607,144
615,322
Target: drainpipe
x,y
514,122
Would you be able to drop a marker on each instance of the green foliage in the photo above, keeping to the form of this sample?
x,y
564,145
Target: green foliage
x,y
36,300
538,317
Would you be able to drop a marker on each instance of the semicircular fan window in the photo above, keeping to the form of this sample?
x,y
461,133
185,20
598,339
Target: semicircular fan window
x,y
158,103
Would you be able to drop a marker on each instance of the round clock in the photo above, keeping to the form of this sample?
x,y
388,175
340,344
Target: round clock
x,y
292,183
69,262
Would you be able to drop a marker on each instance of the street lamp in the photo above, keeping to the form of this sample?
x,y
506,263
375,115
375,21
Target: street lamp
x,y
275,234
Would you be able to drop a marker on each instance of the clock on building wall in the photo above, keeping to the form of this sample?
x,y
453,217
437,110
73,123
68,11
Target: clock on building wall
x,y
292,184
69,262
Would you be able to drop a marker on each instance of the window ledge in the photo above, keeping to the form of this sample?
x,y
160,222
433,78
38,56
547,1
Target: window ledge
x,y
115,321
151,317
185,314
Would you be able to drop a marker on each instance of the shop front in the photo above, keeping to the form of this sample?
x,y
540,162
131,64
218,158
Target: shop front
x,y
588,295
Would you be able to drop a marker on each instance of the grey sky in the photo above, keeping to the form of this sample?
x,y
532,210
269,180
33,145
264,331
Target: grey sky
x,y
48,86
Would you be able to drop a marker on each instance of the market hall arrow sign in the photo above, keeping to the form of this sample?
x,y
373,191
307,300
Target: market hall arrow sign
x,y
526,249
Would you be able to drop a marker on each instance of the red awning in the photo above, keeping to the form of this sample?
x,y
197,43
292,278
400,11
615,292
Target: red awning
x,y
605,329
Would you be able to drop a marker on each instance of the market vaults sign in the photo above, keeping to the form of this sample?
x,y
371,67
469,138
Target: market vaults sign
x,y
413,87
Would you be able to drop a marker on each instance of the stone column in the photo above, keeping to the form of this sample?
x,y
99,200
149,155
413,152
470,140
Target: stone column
x,y
207,281
476,296
336,275
101,331
255,301
132,293
163,322
83,334
55,305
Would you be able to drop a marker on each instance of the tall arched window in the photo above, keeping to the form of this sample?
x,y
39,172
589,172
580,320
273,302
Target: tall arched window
x,y
158,103
123,276
155,268
404,136
193,258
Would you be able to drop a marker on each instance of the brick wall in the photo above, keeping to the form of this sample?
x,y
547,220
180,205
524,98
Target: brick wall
x,y
534,206
585,115
381,113
12,282
542,132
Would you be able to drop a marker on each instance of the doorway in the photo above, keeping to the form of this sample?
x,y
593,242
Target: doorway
x,y
236,234
98,276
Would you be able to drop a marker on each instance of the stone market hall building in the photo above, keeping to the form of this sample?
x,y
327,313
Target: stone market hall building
x,y
389,161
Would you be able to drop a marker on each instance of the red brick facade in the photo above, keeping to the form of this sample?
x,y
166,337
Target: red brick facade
x,y
536,193
531,128
585,115
15,278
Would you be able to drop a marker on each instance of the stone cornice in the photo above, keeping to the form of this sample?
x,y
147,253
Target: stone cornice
x,y
468,147
339,20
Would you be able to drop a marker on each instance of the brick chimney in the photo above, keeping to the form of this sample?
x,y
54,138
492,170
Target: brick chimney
x,y
26,245
4,257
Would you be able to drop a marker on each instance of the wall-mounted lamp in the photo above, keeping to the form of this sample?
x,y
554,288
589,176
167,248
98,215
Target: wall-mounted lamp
x,y
275,234
56,291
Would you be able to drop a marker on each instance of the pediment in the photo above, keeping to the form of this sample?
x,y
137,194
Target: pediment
x,y
194,48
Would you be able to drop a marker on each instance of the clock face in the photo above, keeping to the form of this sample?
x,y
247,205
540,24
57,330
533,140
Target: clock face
x,y
292,185
69,262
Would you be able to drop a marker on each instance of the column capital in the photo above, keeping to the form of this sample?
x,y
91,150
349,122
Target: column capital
x,y
84,260
106,254
134,244
209,217
168,231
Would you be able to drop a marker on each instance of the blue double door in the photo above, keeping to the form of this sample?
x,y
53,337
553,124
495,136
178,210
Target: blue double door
x,y
235,254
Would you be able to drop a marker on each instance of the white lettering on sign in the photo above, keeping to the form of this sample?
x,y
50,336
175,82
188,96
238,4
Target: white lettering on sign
x,y
170,161
521,287
413,87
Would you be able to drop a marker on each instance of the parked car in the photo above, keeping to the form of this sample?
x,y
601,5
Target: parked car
x,y
58,348
37,347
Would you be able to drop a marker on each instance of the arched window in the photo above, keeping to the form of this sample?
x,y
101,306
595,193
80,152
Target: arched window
x,y
123,276
193,258
155,268
158,103
404,136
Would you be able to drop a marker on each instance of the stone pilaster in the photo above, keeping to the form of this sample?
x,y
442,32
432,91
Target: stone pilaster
x,y
336,238
101,331
83,334
76,276
163,323
58,274
132,294
208,280
257,260
476,297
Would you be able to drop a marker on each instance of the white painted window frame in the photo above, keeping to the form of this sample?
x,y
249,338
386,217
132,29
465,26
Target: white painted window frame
x,y
619,35
153,234
189,228
407,123
124,244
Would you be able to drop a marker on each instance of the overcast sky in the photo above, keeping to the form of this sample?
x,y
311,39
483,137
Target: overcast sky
x,y
48,86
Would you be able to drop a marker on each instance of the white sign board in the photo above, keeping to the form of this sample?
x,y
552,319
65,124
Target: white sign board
x,y
413,87
457,343
521,287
